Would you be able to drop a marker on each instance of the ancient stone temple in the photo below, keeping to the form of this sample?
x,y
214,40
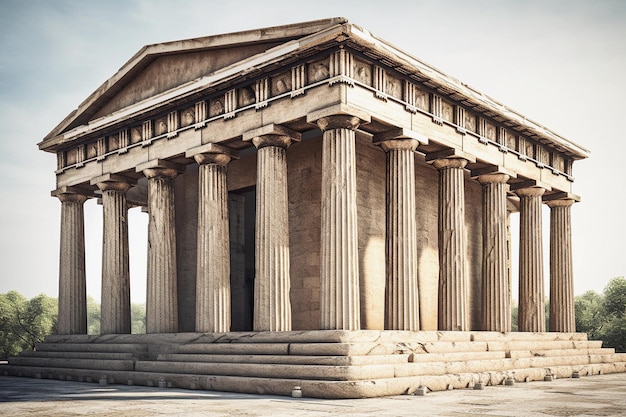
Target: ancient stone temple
x,y
325,212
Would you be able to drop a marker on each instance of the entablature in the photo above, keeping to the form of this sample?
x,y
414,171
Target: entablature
x,y
333,68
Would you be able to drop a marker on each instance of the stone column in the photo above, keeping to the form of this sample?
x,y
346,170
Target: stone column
x,y
115,300
213,269
72,278
161,299
531,292
401,291
272,306
340,303
561,269
496,286
453,286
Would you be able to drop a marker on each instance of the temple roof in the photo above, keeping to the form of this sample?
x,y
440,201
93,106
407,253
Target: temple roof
x,y
193,65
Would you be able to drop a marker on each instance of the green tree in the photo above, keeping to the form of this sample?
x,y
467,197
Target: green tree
x,y
93,316
603,317
615,298
138,318
589,315
24,323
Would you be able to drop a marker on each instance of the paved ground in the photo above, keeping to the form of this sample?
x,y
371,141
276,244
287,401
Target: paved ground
x,y
602,395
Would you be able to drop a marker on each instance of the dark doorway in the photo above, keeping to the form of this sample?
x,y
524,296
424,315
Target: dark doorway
x,y
242,217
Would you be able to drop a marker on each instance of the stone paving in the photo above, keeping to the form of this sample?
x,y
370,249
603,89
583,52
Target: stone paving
x,y
600,395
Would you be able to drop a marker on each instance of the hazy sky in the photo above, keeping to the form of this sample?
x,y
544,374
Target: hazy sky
x,y
560,63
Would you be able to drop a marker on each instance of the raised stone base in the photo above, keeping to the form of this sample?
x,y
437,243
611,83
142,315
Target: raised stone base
x,y
325,364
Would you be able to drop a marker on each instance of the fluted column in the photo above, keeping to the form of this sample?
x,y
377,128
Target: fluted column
x,y
561,268
161,299
531,287
496,286
340,302
115,304
272,305
453,286
213,266
72,278
401,290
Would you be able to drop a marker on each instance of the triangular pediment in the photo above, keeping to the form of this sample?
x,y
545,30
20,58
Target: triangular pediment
x,y
158,68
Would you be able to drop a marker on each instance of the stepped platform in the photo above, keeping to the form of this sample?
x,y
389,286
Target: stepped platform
x,y
324,364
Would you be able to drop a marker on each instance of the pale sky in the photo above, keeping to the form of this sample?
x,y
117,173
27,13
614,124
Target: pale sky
x,y
561,63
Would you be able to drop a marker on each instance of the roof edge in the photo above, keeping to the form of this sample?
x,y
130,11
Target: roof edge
x,y
267,34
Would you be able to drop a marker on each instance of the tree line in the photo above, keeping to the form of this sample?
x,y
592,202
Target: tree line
x,y
24,323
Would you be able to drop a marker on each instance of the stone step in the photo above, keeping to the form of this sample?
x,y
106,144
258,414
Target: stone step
x,y
455,356
92,347
236,348
78,355
508,346
288,359
527,336
312,388
115,365
316,372
371,348
559,352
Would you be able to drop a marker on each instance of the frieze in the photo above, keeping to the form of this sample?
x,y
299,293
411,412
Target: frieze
x,y
511,141
459,119
436,108
216,106
135,134
147,132
541,156
557,161
102,148
281,84
187,117
447,111
298,80
61,161
262,92
92,150
113,142
393,86
380,84
245,97
340,66
230,104
123,141
160,126
318,70
172,124
363,72
200,112
71,156
80,156
470,121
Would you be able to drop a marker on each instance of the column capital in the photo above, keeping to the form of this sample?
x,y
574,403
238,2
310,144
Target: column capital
x,y
530,192
70,194
495,178
447,163
272,135
212,153
561,203
339,116
399,139
160,168
114,182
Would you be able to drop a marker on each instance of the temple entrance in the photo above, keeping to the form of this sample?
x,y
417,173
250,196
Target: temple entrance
x,y
242,213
